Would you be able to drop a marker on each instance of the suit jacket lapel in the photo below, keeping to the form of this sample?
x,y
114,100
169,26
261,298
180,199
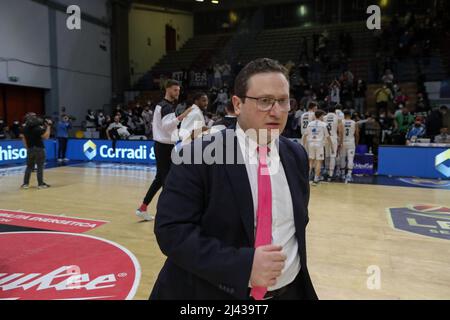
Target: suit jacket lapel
x,y
294,182
242,192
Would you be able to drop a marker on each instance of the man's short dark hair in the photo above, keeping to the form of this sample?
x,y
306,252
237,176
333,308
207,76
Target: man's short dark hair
x,y
347,112
312,105
443,107
171,83
332,109
262,65
319,113
198,95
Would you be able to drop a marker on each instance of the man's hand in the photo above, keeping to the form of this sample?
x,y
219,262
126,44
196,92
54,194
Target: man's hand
x,y
184,114
268,262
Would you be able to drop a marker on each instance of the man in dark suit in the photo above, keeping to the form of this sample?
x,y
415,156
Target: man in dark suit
x,y
232,216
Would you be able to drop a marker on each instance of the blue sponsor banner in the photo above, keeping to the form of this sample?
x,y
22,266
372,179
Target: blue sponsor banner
x,y
421,162
363,164
13,151
126,151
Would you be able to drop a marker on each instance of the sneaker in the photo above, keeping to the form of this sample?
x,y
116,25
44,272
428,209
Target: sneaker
x,y
44,186
60,160
65,160
329,179
25,186
144,215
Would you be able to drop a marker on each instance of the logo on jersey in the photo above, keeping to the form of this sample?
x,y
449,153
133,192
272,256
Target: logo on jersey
x,y
90,150
440,163
423,219
65,266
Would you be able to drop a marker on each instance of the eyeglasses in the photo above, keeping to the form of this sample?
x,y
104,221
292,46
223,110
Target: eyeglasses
x,y
266,103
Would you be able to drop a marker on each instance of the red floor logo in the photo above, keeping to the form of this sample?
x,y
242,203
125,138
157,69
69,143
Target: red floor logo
x,y
64,266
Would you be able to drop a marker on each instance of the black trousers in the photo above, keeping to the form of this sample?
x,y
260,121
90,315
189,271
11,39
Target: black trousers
x,y
163,160
62,148
35,156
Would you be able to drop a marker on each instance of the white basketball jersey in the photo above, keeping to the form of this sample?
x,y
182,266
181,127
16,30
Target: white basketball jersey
x,y
306,119
349,131
332,121
317,132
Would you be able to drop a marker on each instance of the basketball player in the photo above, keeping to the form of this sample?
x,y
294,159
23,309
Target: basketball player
x,y
315,138
164,124
306,118
350,141
334,125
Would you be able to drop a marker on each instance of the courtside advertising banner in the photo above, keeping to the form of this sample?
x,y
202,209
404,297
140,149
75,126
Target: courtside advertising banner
x,y
13,151
127,151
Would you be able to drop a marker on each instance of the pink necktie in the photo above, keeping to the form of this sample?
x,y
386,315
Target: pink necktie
x,y
264,212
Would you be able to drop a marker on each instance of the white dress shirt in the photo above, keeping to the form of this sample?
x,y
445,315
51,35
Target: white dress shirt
x,y
283,225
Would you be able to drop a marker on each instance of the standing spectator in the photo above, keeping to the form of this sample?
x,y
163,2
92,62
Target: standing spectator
x,y
217,76
360,96
104,126
372,133
100,120
147,116
316,70
382,97
401,98
435,121
62,133
387,126
303,69
388,78
303,49
90,120
226,74
402,122
335,88
15,129
221,101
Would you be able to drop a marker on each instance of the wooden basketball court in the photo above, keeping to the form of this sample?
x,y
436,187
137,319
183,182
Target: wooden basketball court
x,y
349,234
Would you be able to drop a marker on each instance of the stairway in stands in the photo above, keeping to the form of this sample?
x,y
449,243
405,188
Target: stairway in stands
x,y
197,52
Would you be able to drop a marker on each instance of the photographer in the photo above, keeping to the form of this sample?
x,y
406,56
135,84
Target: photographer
x,y
34,132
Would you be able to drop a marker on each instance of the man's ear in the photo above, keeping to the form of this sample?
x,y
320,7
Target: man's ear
x,y
237,104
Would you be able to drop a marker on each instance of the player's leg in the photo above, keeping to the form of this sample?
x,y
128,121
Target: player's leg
x,y
343,163
311,160
332,164
319,156
350,165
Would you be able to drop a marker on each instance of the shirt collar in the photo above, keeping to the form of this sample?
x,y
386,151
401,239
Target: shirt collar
x,y
249,146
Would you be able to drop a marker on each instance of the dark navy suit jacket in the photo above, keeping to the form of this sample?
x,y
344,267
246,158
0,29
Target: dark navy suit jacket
x,y
205,224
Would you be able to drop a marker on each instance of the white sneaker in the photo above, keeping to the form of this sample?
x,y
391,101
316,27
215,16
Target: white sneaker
x,y
65,160
60,160
144,215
